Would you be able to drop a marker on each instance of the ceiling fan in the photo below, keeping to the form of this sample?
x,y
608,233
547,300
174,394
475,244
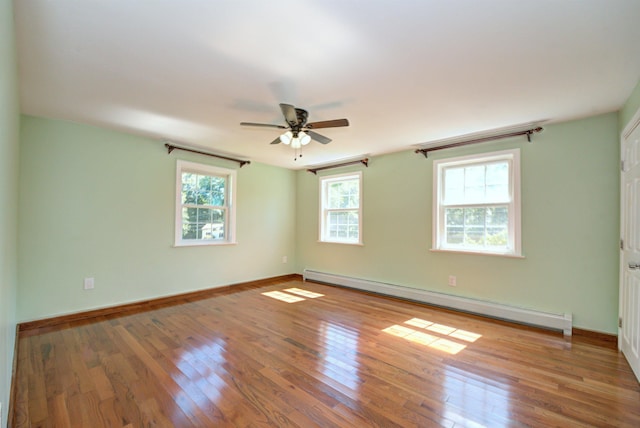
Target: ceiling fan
x,y
300,133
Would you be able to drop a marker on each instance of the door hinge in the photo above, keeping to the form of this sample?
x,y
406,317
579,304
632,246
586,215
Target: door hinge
x,y
620,322
622,165
622,244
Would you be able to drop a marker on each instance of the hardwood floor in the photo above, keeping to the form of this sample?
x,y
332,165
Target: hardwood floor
x,y
343,359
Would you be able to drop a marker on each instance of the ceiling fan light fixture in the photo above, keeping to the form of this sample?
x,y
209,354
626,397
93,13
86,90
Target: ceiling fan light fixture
x,y
296,143
286,138
304,138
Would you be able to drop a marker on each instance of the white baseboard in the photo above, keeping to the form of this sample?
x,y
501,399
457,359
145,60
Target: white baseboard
x,y
562,322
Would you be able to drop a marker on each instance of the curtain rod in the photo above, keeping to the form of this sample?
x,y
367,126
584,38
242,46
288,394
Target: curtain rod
x,y
171,147
527,132
364,161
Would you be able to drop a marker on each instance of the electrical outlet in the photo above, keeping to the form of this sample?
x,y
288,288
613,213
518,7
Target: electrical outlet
x,y
452,281
284,259
88,283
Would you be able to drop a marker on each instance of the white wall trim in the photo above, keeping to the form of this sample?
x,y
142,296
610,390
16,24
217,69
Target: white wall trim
x,y
562,322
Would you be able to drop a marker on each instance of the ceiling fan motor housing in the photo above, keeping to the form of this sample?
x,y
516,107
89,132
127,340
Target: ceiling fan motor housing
x,y
302,116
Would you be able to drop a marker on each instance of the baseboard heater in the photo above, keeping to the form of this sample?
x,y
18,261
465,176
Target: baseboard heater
x,y
474,306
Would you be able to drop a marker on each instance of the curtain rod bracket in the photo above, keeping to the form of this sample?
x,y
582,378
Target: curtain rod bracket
x,y
425,152
171,147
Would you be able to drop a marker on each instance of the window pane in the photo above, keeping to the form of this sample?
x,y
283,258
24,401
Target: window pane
x,y
474,236
188,188
497,182
343,225
203,223
204,190
210,190
454,185
474,216
343,194
454,235
497,226
214,227
454,216
497,216
497,193
333,194
335,191
498,173
189,215
336,220
189,230
477,227
474,183
497,236
204,215
218,191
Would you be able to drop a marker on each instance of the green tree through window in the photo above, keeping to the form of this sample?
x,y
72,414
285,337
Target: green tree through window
x,y
205,204
203,212
477,200
341,208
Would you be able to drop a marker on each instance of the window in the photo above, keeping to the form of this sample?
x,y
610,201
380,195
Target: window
x,y
205,204
477,203
341,208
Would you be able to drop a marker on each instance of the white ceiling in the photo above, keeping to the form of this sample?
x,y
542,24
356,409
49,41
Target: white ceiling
x,y
403,72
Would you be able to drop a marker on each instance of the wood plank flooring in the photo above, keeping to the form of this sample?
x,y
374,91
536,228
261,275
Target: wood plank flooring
x,y
343,359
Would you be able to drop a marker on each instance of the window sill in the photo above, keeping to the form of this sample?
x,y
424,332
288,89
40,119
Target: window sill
x,y
357,244
477,253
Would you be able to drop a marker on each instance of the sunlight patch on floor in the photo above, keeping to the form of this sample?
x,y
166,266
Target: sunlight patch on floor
x,y
297,295
304,293
457,333
284,297
431,340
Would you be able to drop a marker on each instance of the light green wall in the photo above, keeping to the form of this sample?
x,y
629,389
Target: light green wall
x,y
9,148
570,226
99,203
9,151
630,107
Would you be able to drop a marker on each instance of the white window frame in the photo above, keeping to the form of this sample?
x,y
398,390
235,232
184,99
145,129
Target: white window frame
x,y
324,210
229,207
514,246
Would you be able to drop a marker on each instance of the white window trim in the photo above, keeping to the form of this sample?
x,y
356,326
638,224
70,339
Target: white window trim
x,y
230,236
515,233
322,225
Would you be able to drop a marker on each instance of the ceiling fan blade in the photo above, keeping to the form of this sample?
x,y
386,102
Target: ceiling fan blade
x,y
319,138
276,141
289,113
328,124
265,125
